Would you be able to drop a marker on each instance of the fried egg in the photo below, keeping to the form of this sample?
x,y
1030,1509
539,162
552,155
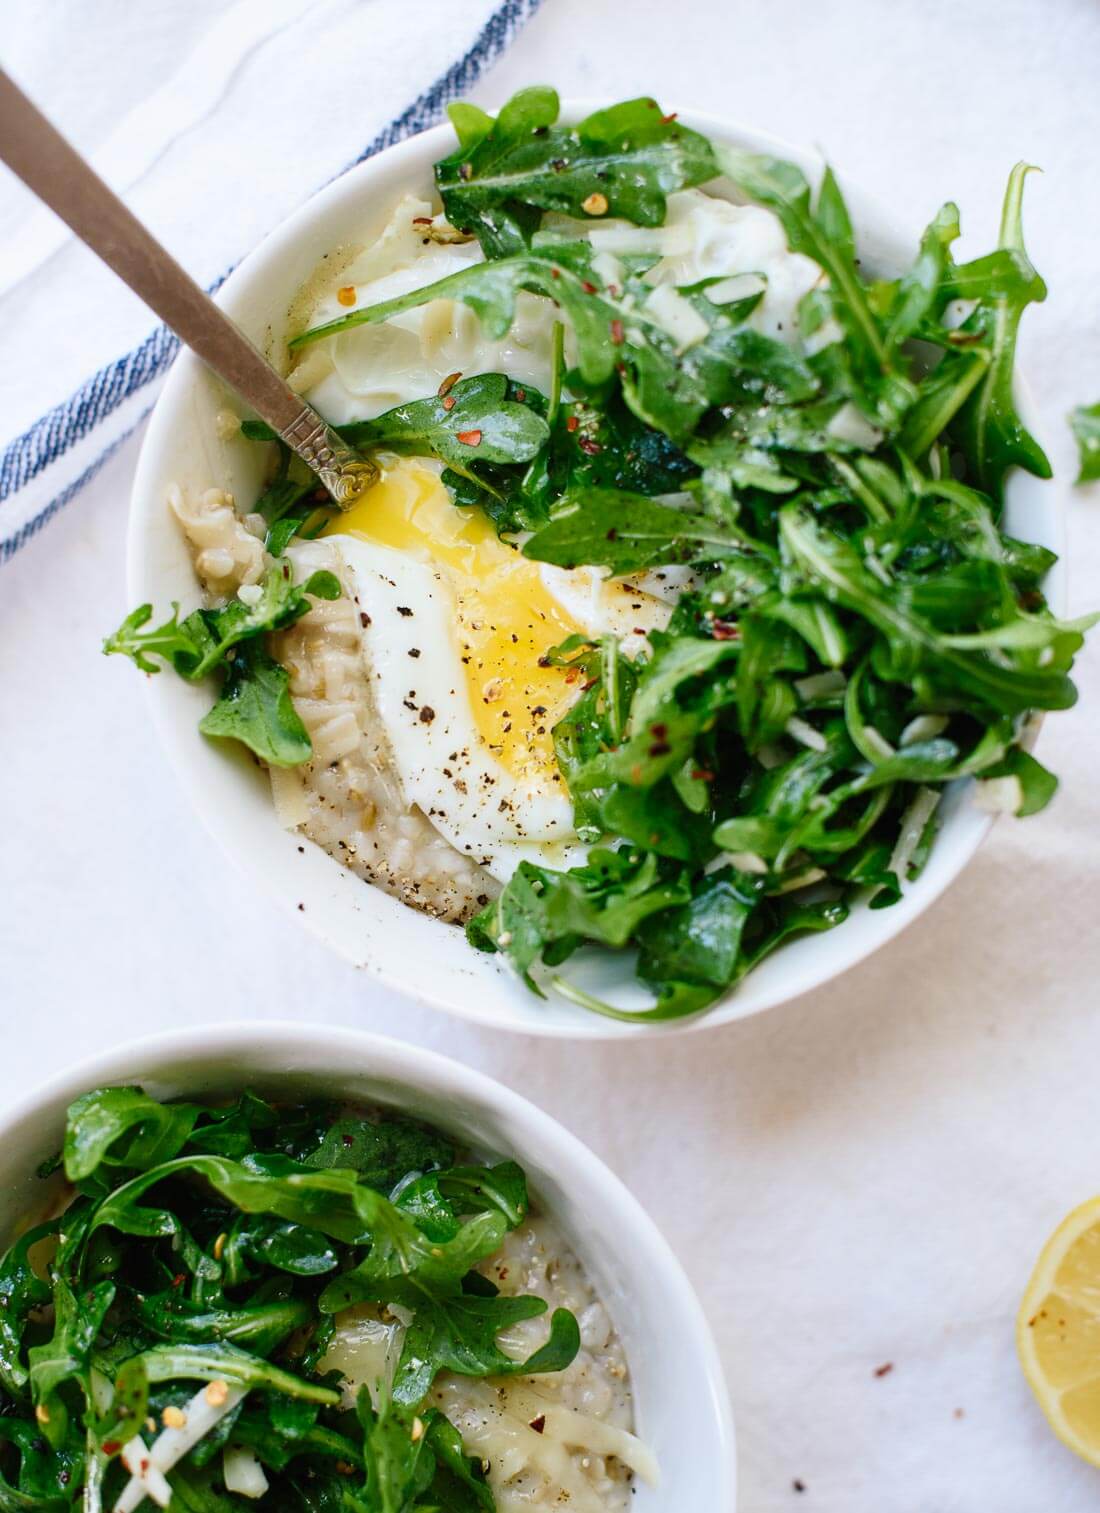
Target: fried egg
x,y
456,627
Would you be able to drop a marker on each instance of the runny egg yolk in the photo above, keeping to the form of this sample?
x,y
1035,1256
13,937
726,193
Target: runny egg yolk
x,y
505,618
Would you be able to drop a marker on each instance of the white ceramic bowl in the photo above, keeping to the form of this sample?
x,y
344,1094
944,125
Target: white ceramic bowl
x,y
682,1409
407,950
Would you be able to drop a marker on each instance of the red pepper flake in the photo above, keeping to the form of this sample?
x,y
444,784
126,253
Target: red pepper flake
x,y
668,120
572,423
449,401
539,1424
470,438
448,384
422,220
617,332
364,619
701,775
346,295
587,445
112,1446
660,730
613,535
725,630
884,1370
589,288
179,1279
521,395
555,273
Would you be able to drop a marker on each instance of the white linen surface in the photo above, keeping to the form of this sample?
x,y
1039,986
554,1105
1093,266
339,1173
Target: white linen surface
x,y
860,1178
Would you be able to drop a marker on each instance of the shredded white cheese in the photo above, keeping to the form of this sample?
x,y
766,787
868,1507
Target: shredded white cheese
x,y
676,316
242,1472
805,734
738,286
205,1409
289,795
747,861
852,426
136,1458
879,746
801,879
820,685
924,728
999,795
827,334
913,821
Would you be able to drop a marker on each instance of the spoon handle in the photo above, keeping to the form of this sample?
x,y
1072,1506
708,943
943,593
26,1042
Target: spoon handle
x,y
35,151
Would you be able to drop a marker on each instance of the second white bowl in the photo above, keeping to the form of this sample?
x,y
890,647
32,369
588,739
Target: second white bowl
x,y
681,1405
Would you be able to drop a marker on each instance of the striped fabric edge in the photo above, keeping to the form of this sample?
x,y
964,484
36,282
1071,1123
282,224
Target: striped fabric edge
x,y
115,385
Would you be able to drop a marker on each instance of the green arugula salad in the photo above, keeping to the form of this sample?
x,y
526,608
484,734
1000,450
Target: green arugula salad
x,y
686,590
248,1303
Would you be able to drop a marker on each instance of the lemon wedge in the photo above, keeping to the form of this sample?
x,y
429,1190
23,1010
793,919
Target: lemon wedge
x,y
1058,1331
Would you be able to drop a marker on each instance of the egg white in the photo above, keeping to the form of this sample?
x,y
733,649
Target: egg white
x,y
472,799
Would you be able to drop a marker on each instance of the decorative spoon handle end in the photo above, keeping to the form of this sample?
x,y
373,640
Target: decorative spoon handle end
x,y
344,473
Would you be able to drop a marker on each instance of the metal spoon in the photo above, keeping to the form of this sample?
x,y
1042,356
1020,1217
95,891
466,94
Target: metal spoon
x,y
60,177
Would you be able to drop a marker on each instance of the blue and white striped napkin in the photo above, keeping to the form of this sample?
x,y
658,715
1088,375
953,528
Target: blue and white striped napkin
x,y
214,122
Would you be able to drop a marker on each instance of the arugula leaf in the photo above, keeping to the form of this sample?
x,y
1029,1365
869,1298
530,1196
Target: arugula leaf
x,y
1085,424
45,1477
256,709
382,1152
626,533
127,1411
255,706
417,1460
123,1127
700,941
266,1241
66,1356
543,914
22,1292
458,1333
623,160
224,1362
199,644
436,1199
1037,786
988,427
474,422
825,235
397,1466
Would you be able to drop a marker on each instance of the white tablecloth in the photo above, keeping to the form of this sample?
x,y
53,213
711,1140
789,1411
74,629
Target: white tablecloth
x,y
860,1178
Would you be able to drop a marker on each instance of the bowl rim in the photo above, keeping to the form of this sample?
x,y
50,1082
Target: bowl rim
x,y
433,1074
742,1001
